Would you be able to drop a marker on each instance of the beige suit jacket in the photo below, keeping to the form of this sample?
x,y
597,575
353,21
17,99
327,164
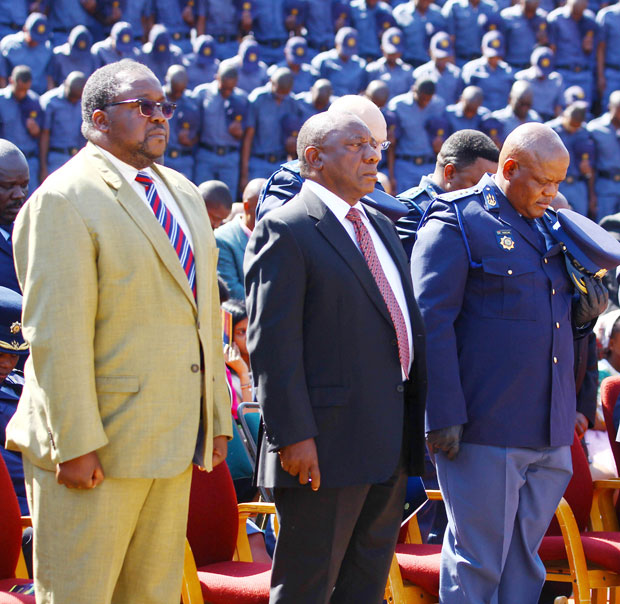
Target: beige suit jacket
x,y
115,333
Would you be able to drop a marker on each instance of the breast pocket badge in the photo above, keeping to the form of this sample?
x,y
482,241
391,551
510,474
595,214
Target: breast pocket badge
x,y
505,240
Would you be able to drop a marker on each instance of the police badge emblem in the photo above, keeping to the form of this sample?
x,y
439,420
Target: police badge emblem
x,y
505,240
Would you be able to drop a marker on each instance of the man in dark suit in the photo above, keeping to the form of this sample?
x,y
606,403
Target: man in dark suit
x,y
336,344
14,177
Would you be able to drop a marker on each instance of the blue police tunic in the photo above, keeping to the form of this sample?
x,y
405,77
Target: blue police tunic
x,y
417,199
448,84
607,145
510,121
105,52
222,22
364,19
10,391
418,29
495,83
414,156
250,78
217,156
346,77
169,13
399,77
16,52
64,15
198,70
458,121
304,78
132,12
160,61
186,119
66,59
463,22
497,312
305,106
547,92
13,14
566,35
269,29
13,127
63,119
319,26
520,34
608,20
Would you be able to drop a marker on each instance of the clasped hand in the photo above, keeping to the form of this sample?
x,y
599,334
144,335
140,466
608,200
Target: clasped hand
x,y
447,440
302,459
591,304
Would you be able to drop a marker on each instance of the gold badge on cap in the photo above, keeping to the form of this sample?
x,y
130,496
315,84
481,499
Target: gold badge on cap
x,y
299,51
495,43
207,51
82,44
396,39
15,327
252,56
545,62
351,42
41,28
125,38
445,43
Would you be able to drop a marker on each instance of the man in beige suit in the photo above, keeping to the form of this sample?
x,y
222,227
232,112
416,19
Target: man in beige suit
x,y
125,384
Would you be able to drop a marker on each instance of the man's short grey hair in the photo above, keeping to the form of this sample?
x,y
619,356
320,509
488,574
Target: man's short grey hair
x,y
104,85
313,134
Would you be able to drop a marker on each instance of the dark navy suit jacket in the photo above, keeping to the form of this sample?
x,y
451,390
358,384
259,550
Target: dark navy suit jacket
x,y
8,277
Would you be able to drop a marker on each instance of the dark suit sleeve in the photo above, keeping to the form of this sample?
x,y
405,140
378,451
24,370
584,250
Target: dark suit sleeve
x,y
587,385
439,269
275,282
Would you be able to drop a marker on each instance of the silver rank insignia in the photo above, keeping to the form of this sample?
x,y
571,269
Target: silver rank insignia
x,y
505,240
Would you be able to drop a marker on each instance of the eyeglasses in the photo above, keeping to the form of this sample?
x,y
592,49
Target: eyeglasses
x,y
385,145
147,108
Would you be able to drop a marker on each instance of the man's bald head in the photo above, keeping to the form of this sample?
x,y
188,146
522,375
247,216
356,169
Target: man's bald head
x,y
282,81
321,92
250,197
532,164
176,75
74,85
14,177
378,92
365,110
218,200
614,107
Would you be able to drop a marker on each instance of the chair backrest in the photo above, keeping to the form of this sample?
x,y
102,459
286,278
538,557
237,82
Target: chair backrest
x,y
213,520
579,491
250,424
10,525
610,389
238,458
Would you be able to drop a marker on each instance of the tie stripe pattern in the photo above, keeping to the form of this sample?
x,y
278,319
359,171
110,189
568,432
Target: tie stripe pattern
x,y
370,254
175,233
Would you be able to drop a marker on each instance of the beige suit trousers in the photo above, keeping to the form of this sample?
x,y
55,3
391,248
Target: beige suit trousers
x,y
121,542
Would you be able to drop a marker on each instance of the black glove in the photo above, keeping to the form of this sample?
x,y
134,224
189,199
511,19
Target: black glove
x,y
591,304
447,440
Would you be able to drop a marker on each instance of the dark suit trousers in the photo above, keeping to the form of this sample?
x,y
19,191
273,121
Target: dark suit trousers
x,y
336,544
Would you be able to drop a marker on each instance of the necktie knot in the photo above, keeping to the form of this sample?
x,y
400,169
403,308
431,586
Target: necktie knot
x,y
144,179
354,215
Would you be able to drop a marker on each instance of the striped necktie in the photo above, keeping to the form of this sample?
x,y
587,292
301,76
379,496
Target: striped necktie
x,y
370,254
175,233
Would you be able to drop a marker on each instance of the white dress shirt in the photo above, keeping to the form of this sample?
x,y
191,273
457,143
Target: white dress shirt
x,y
129,173
340,208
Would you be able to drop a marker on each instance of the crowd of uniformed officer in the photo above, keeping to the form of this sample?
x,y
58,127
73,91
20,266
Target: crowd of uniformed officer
x,y
245,74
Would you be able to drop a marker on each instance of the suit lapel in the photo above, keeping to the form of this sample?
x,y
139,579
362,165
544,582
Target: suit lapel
x,y
145,219
329,227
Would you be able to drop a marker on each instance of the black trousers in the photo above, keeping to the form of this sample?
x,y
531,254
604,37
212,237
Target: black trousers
x,y
336,544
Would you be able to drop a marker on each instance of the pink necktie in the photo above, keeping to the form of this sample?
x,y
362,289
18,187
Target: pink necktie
x,y
370,254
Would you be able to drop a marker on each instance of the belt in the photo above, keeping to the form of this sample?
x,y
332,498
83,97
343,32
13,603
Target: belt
x,y
518,65
468,57
610,66
14,26
272,43
575,68
177,35
569,180
61,30
174,153
65,150
219,149
320,47
222,38
615,176
417,159
272,158
30,154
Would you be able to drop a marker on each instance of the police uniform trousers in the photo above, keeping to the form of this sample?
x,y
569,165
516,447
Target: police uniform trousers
x,y
122,542
499,502
211,166
408,174
607,196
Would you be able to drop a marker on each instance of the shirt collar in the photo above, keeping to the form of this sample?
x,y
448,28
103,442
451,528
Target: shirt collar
x,y
339,207
128,172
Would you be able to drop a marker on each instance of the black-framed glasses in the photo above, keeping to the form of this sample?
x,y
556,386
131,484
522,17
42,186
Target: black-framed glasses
x,y
147,107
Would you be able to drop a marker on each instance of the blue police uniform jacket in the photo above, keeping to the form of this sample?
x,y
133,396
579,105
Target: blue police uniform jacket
x,y
10,391
498,318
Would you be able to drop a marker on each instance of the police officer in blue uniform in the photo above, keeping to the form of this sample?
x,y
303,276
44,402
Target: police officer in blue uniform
x,y
21,118
518,110
29,47
223,109
201,65
263,149
73,55
61,137
251,70
369,18
418,20
269,28
159,52
441,69
546,83
462,161
465,25
500,312
469,111
608,52
179,17
13,15
139,14
315,100
490,72
64,15
524,26
296,59
573,35
413,155
320,25
603,131
222,22
342,65
390,68
578,186
117,46
12,348
184,125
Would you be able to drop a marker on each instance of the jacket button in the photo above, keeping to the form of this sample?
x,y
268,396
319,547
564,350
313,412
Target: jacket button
x,y
400,388
195,368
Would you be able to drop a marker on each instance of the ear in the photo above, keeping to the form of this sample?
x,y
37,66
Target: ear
x,y
449,172
314,158
510,168
101,120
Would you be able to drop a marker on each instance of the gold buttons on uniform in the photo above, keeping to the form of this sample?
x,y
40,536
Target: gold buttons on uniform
x,y
557,325
510,271
546,261
555,360
553,292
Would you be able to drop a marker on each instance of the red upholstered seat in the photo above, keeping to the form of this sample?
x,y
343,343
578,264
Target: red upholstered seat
x,y
235,582
419,564
600,548
12,598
